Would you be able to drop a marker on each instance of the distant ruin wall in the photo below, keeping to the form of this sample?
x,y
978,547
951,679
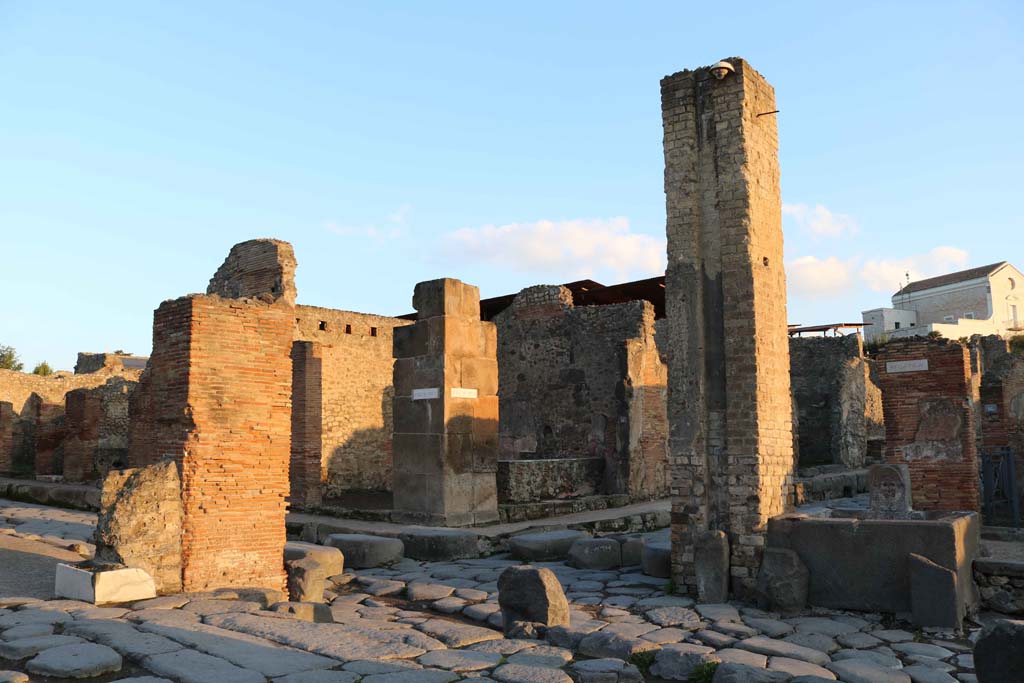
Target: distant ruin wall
x,y
37,412
929,420
1002,410
583,382
829,380
349,422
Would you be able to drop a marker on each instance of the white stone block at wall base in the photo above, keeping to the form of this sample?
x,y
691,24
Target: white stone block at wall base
x,y
103,587
894,366
459,392
425,394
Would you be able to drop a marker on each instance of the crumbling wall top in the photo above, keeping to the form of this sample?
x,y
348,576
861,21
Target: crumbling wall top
x,y
257,269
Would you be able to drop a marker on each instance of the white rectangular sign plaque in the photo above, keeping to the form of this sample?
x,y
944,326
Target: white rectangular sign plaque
x,y
425,394
894,366
459,392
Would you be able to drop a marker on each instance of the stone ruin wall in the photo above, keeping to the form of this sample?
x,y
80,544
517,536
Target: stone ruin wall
x,y
836,404
33,421
342,403
929,420
1002,410
582,382
730,445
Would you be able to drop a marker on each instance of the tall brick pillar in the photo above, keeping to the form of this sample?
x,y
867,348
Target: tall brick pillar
x,y
216,397
730,412
446,409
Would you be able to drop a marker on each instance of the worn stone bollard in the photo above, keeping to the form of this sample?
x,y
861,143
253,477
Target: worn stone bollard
x,y
531,600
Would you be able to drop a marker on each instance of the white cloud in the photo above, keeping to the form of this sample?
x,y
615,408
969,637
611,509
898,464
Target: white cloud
x,y
810,277
820,221
391,228
888,275
566,249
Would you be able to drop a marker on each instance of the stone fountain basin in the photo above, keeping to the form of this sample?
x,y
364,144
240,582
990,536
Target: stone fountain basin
x,y
863,564
102,586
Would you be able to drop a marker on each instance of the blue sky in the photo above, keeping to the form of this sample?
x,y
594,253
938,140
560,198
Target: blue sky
x,y
506,144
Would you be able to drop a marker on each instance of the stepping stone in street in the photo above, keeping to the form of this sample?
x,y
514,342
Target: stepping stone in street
x,y
189,666
440,545
82,660
542,655
601,645
545,545
714,638
505,646
866,671
123,637
27,631
734,629
677,662
381,587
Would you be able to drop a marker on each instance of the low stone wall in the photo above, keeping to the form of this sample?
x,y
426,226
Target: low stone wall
x,y
830,486
1001,585
530,481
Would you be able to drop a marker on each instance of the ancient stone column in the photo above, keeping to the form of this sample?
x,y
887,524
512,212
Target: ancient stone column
x,y
730,412
446,410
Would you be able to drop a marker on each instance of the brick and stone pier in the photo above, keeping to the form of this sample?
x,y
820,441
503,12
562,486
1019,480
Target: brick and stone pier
x,y
730,412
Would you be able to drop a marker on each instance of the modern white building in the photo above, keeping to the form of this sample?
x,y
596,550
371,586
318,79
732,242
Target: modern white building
x,y
985,300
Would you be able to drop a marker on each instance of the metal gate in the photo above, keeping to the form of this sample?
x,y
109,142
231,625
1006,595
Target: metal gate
x,y
1000,498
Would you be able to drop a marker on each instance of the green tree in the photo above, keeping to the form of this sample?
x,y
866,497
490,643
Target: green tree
x,y
1017,343
9,359
43,369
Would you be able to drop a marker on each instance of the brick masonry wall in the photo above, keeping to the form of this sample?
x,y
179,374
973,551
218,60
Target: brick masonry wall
x,y
829,378
217,398
355,368
7,422
730,411
929,420
583,382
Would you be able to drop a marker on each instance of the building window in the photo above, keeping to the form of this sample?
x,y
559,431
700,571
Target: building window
x,y
348,329
373,331
969,315
948,318
323,325
897,326
1012,283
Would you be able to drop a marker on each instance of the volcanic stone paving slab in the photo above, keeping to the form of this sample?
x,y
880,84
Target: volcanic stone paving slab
x,y
393,626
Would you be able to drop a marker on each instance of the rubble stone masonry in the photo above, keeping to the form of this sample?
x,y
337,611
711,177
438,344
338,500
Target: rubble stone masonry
x,y
729,406
1002,410
929,420
830,391
583,382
